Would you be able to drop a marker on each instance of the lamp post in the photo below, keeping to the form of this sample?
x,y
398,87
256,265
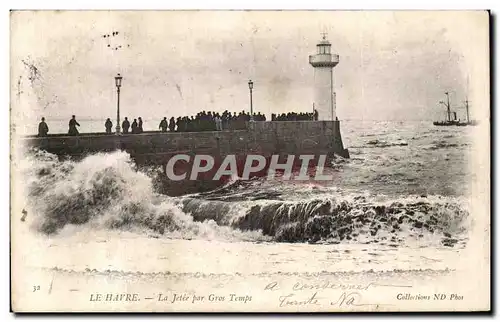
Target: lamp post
x,y
118,83
250,86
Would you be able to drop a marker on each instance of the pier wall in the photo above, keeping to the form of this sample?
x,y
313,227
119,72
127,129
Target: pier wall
x,y
155,148
264,138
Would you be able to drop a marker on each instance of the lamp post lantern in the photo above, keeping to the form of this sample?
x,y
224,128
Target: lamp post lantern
x,y
250,86
118,83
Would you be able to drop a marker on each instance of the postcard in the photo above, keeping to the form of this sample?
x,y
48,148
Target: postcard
x,y
250,161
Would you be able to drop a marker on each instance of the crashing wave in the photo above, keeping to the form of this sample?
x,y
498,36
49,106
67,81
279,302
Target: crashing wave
x,y
107,191
334,221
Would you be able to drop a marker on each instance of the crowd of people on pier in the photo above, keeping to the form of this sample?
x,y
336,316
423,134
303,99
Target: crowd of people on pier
x,y
202,121
292,116
211,121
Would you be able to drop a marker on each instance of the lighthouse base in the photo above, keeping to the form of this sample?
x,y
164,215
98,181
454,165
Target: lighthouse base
x,y
338,146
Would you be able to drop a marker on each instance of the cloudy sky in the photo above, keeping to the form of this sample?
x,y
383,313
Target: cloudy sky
x,y
393,65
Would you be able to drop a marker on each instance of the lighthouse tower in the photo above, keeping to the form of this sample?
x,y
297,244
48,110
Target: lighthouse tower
x,y
324,92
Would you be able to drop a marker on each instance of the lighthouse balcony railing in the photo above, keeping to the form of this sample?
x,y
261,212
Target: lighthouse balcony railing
x,y
323,58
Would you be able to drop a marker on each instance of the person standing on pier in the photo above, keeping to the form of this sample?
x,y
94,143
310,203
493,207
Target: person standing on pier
x,y
163,125
125,125
218,123
225,120
108,125
134,127
43,128
139,128
171,125
72,126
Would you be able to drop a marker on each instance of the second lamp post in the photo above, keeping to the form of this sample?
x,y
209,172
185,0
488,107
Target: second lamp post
x,y
118,83
250,86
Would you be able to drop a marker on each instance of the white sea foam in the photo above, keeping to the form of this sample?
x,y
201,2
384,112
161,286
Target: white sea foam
x,y
106,191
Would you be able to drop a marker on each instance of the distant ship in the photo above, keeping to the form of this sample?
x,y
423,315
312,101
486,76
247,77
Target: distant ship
x,y
454,122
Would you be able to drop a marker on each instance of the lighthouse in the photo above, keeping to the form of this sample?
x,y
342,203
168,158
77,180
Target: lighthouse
x,y
324,92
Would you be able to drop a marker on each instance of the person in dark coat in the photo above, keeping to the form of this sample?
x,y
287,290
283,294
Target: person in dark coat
x,y
139,128
72,126
179,124
108,125
43,128
125,126
134,127
171,125
163,125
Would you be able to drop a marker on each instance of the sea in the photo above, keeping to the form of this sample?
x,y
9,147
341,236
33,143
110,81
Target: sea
x,y
400,203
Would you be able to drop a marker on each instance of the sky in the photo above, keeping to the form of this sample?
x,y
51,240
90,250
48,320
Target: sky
x,y
393,65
